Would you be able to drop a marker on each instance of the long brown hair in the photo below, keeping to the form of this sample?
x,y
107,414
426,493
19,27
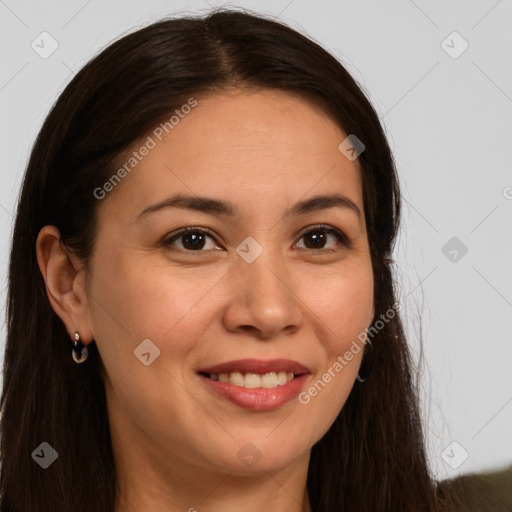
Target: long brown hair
x,y
373,457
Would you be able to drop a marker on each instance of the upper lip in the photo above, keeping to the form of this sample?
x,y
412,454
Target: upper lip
x,y
257,366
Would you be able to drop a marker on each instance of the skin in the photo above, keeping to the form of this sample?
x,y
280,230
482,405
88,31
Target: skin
x,y
175,441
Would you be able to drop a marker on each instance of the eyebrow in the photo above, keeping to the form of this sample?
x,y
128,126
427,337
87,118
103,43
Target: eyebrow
x,y
216,206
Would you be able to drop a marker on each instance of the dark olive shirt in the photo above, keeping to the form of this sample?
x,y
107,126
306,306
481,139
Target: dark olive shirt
x,y
484,492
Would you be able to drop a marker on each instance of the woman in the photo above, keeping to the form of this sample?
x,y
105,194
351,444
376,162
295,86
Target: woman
x,y
201,308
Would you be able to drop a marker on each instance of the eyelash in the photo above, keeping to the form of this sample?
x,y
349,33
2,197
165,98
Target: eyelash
x,y
342,238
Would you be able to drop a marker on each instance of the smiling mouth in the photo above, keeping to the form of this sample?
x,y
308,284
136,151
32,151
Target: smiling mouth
x,y
255,373
252,380
256,384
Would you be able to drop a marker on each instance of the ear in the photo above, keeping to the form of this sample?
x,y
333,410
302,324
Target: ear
x,y
65,283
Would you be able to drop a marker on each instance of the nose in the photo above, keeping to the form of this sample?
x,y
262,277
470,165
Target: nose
x,y
264,298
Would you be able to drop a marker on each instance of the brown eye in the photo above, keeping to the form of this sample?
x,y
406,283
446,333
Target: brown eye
x,y
317,237
192,239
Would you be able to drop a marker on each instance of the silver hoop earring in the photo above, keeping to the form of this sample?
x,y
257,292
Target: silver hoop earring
x,y
79,351
365,374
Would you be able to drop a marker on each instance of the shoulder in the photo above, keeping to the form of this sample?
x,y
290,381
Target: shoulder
x,y
483,492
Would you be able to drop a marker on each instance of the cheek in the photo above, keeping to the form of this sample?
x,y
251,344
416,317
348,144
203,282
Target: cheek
x,y
344,309
136,301
345,305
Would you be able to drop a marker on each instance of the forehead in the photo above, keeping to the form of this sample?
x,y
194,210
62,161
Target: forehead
x,y
256,149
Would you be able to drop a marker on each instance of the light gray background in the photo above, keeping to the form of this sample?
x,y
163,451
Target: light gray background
x,y
449,122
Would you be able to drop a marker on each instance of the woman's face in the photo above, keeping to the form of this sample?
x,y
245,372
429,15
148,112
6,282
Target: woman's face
x,y
261,285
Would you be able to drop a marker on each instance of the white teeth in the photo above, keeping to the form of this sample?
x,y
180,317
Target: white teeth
x,y
236,378
281,378
269,380
254,380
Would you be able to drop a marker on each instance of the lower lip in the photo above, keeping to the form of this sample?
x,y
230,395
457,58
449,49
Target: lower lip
x,y
258,399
